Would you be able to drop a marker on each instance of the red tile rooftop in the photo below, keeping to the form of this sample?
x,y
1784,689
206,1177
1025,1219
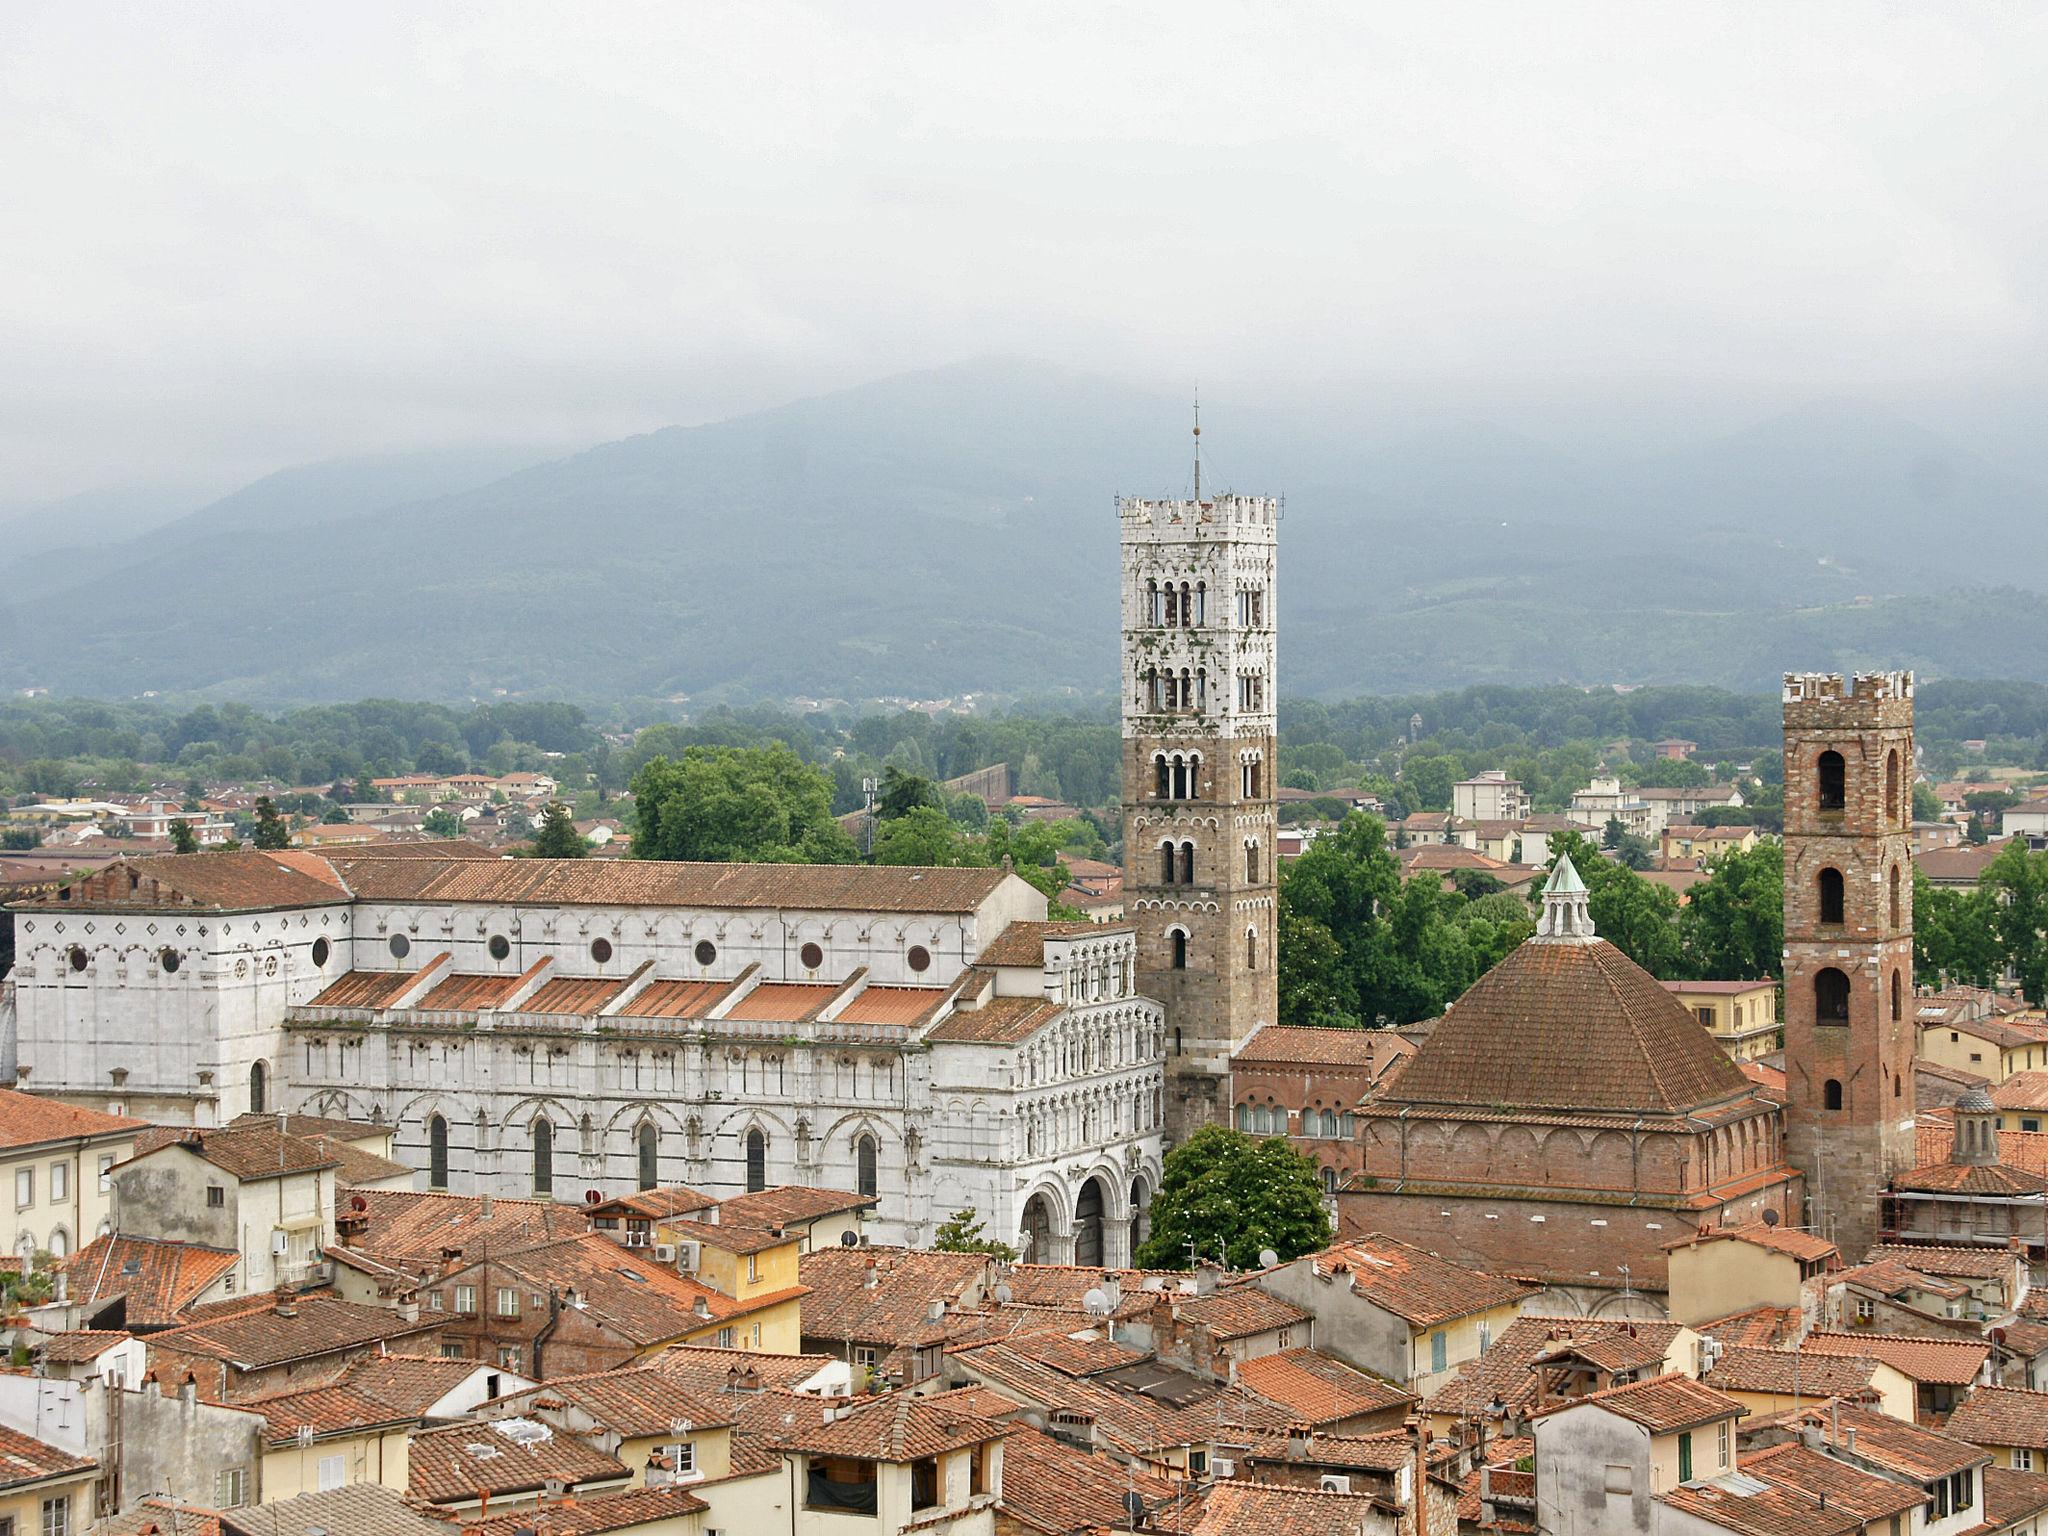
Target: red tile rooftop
x,y
783,1002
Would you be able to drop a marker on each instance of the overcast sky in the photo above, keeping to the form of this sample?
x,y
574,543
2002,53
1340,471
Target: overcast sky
x,y
236,237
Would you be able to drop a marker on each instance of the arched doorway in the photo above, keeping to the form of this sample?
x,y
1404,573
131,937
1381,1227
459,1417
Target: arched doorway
x,y
1037,1230
1089,1211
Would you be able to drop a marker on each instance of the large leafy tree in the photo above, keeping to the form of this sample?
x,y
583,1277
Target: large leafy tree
x,y
2016,883
183,838
1955,934
1733,926
903,793
731,804
1360,947
927,836
1230,1195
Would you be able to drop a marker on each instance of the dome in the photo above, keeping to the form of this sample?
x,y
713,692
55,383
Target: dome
x,y
1976,1102
1564,1026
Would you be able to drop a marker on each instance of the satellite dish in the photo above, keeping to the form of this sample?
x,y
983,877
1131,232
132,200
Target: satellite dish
x,y
358,1203
849,1240
1096,1302
1004,1294
1772,1218
591,1197
1268,1258
1134,1506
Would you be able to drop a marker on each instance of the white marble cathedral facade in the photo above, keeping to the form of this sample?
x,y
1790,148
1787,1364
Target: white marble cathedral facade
x,y
558,1027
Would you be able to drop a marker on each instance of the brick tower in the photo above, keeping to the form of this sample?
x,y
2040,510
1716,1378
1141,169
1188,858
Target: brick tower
x,y
1199,763
1849,1033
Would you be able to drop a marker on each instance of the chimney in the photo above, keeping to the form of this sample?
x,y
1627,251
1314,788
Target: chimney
x,y
483,1206
935,1309
701,1306
409,1307
285,1306
1849,1439
1113,1288
555,1488
868,1279
657,1474
151,1387
1206,1275
1299,1438
188,1390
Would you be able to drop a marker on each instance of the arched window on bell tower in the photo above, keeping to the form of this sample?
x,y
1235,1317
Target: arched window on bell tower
x,y
1166,863
1830,996
1831,887
1187,863
1831,781
1159,769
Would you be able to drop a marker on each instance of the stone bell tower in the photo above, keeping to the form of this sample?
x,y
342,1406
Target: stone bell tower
x,y
1198,778
1849,1031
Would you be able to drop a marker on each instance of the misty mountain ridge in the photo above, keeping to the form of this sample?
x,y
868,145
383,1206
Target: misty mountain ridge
x,y
953,530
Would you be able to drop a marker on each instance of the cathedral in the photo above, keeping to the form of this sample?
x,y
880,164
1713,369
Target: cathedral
x,y
582,1029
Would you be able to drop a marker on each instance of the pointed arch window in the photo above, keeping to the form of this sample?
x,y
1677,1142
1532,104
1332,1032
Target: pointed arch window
x,y
865,1158
437,1152
647,1143
1898,996
1898,904
259,1088
757,1162
543,1157
1891,786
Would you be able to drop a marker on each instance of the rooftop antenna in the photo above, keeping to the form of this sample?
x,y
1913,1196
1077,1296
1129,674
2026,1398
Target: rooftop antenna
x,y
1198,442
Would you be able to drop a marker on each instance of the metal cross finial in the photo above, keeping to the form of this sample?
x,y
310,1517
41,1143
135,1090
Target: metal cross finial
x,y
1198,442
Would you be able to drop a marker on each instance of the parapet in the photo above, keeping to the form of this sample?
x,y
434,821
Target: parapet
x,y
1861,688
1215,513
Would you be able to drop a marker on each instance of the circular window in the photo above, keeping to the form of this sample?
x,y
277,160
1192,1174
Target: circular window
x,y
400,946
321,950
77,958
600,950
920,958
500,946
706,951
811,956
169,960
270,965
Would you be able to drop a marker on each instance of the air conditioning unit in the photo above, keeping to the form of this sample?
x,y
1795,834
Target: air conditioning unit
x,y
686,1256
1222,1466
277,1244
665,1253
1334,1483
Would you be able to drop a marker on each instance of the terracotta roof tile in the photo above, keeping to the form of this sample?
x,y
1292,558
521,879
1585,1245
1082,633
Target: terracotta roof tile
x,y
1050,1487
334,1409
1023,943
1755,1509
1970,1179
1944,1362
27,1460
646,1302
368,990
460,992
2002,1416
636,1509
1892,1277
659,1204
1411,1282
410,1384
27,1120
1664,1404
1272,1509
702,1369
79,1346
408,1228
1241,1311
653,882
1959,1263
896,1309
155,1281
1318,1389
358,1509
1506,1372
582,995
503,1456
895,1429
635,1401
261,1335
892,1005
1785,1372
1570,1026
1908,1450
247,1154
2010,1496
238,881
999,1021
674,999
1083,1353
1863,1494
781,1002
1293,1045
786,1205
1803,1246
1761,1327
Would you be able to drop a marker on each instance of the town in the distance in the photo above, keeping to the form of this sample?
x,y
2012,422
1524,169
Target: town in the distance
x,y
704,1135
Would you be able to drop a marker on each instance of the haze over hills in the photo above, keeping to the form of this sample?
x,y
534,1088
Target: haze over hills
x,y
953,530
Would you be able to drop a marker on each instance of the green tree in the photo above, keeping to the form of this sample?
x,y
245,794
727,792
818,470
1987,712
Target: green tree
x,y
962,1232
922,836
903,793
1926,803
19,839
1955,934
272,830
1426,782
1231,1196
2017,882
557,837
1733,926
728,804
183,839
441,822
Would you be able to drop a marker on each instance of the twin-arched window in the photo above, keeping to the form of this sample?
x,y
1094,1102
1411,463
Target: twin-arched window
x,y
1176,863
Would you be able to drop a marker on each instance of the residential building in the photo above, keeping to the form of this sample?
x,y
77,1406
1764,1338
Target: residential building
x,y
1774,1381
1945,1469
1395,1310
1974,1198
140,1284
883,1310
42,1488
1942,1370
1538,1362
244,1349
1980,1034
1602,1459
1683,840
1200,764
506,1462
55,1157
1741,1015
1604,800
2010,1423
899,1461
1489,796
1719,1270
660,1429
